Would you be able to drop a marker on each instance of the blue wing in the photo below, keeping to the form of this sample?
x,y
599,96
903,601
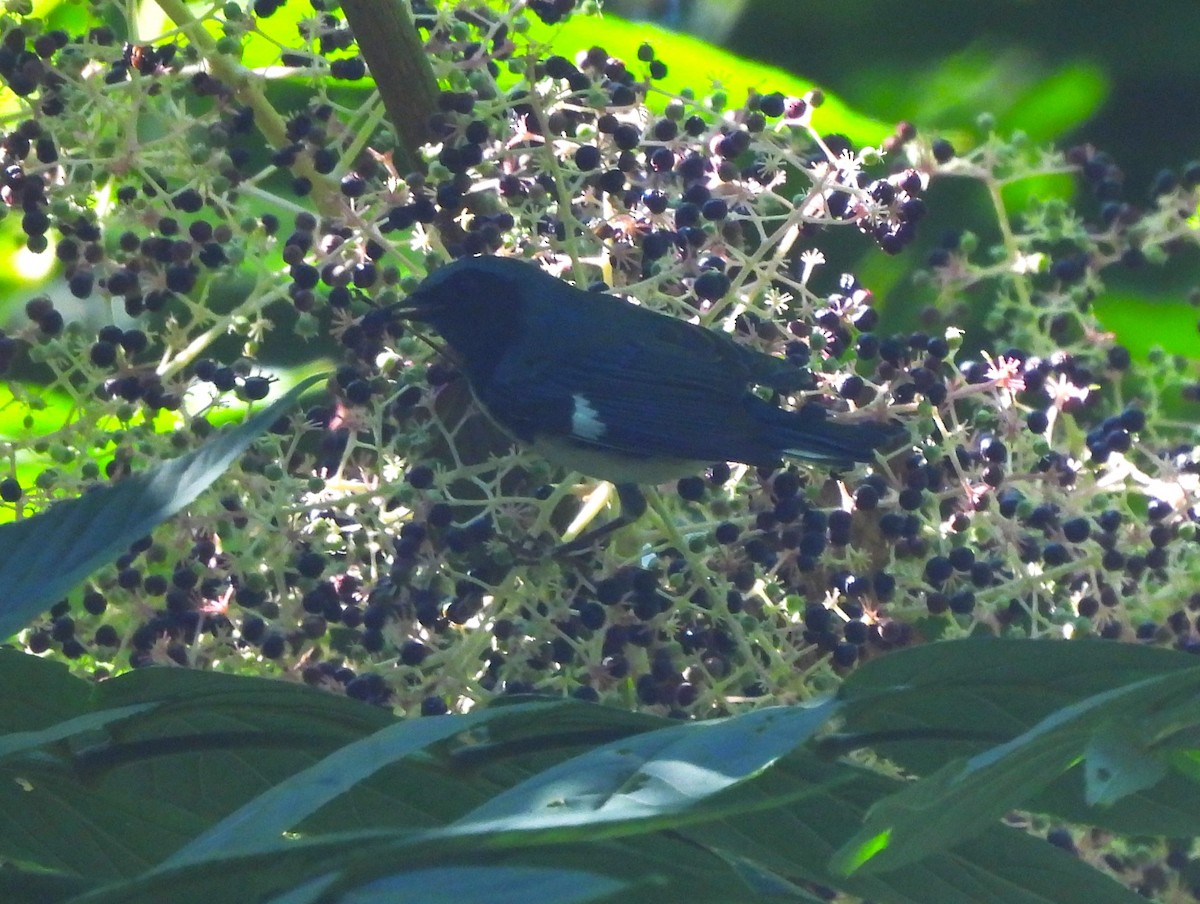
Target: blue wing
x,y
660,387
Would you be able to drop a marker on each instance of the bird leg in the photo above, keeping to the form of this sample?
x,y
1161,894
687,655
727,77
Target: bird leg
x,y
633,506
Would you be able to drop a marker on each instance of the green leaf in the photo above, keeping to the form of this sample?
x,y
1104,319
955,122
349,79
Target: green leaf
x,y
38,692
926,706
763,880
457,884
1000,866
1116,766
1059,101
27,886
1171,807
1127,315
45,556
23,741
562,732
285,805
237,877
20,422
697,64
1008,866
138,765
660,778
338,867
961,799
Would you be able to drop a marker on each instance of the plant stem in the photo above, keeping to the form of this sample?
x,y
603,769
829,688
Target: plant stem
x,y
247,88
396,57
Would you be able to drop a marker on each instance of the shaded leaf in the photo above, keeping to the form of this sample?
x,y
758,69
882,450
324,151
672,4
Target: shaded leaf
x,y
1170,807
29,886
486,885
929,705
285,805
961,799
22,741
662,777
1000,866
337,866
1116,765
933,704
143,762
38,693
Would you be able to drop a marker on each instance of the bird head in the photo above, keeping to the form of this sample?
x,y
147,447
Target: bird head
x,y
475,304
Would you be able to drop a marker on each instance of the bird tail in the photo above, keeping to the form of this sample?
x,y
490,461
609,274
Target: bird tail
x,y
810,435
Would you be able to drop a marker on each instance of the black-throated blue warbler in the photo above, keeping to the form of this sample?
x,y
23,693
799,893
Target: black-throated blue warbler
x,y
618,392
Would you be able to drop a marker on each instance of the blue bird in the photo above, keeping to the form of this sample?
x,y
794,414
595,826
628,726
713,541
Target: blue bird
x,y
615,391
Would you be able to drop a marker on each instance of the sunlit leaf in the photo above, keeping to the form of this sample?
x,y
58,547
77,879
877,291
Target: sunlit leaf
x,y
697,64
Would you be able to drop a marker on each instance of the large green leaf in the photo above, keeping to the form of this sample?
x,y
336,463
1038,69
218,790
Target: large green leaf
x,y
1128,315
122,774
697,64
337,867
572,727
753,814
659,779
138,765
459,884
285,805
929,706
39,693
1000,866
45,556
19,885
961,799
1117,765
1171,807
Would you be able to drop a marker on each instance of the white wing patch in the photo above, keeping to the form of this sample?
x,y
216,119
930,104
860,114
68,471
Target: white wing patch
x,y
585,420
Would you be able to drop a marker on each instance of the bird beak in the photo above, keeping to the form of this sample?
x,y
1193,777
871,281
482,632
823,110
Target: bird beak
x,y
411,309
